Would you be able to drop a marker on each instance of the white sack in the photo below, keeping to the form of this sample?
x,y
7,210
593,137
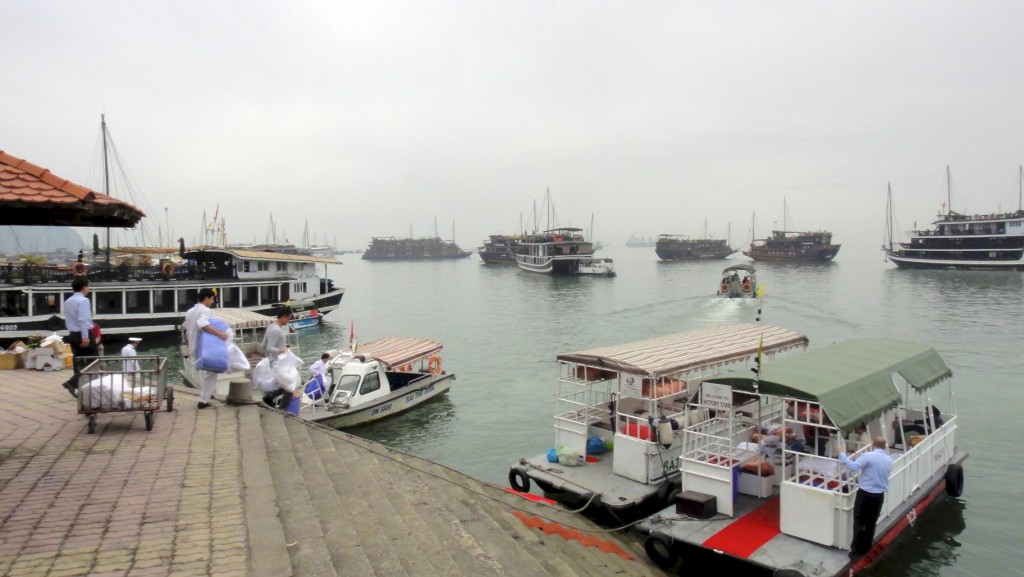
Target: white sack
x,y
263,376
236,358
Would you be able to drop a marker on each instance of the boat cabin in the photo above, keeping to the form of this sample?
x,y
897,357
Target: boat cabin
x,y
781,432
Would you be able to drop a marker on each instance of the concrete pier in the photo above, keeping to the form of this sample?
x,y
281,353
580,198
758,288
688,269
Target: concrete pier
x,y
245,490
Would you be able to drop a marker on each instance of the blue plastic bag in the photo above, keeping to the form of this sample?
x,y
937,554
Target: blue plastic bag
x,y
212,352
552,456
595,446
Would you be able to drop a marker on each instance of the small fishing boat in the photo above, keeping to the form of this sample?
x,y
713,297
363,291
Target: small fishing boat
x,y
622,396
762,487
375,380
738,281
304,316
597,267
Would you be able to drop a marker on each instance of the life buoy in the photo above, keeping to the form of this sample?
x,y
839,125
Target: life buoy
x,y
954,480
434,366
746,286
558,238
313,312
167,268
518,480
724,287
79,269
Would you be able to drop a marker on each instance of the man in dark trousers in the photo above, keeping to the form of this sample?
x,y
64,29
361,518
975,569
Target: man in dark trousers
x,y
78,320
875,467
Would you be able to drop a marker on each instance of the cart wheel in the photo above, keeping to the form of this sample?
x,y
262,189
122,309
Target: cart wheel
x,y
169,395
92,424
149,420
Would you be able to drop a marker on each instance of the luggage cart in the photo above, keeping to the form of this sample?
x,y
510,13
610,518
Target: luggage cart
x,y
116,385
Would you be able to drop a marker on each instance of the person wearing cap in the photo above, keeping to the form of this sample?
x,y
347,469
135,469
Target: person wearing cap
x,y
129,351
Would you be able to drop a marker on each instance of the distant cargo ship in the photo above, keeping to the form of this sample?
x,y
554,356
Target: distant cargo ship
x,y
675,247
640,242
432,248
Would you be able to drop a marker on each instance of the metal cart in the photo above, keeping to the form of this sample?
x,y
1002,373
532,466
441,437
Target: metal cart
x,y
123,385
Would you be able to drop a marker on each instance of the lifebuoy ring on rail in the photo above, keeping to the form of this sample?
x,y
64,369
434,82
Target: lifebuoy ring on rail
x,y
79,269
724,287
434,366
167,268
746,286
518,480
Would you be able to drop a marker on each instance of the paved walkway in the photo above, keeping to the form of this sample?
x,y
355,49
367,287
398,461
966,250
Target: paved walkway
x,y
250,491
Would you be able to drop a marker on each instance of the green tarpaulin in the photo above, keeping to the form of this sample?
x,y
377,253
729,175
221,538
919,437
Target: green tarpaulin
x,y
853,380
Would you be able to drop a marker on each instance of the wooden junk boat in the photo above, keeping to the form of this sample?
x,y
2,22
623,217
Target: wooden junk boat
x,y
759,503
620,395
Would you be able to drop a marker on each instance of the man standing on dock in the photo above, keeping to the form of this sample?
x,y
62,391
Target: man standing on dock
x,y
197,320
78,320
875,467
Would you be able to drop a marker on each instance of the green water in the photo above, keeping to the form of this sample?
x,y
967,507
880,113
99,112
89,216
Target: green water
x,y
502,327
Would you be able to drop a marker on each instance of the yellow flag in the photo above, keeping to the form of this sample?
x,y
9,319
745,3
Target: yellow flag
x,y
760,290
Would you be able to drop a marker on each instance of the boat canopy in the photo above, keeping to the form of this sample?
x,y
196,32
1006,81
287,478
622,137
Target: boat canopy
x,y
397,351
744,267
242,318
264,255
689,351
852,380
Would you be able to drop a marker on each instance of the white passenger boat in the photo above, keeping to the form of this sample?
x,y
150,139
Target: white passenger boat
x,y
559,251
761,504
622,395
597,267
378,379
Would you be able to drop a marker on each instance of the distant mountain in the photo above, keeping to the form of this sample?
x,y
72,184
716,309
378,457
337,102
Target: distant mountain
x,y
16,240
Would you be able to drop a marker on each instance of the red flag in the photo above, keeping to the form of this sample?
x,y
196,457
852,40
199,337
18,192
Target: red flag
x,y
351,332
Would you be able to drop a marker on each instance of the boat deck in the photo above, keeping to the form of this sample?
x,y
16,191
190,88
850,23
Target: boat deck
x,y
597,477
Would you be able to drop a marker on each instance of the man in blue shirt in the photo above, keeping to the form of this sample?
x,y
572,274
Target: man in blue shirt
x,y
875,467
78,320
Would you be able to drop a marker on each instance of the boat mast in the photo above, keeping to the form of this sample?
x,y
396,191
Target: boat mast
x,y
949,192
888,223
106,175
705,229
1020,189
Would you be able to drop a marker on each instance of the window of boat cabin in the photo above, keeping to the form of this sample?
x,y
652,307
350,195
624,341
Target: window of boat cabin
x,y
243,266
285,292
163,301
269,294
262,265
108,302
187,298
44,303
136,301
282,266
371,383
230,297
13,303
299,287
348,383
250,296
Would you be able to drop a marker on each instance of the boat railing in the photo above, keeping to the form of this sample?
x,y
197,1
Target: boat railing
x,y
914,465
64,274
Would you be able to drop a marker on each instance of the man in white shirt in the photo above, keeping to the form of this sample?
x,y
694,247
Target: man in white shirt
x,y
197,320
78,320
129,351
319,368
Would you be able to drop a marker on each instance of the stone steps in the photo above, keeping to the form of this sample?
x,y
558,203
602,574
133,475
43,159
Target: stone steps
x,y
350,507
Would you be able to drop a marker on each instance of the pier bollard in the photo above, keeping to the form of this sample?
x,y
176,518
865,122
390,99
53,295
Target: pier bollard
x,y
240,392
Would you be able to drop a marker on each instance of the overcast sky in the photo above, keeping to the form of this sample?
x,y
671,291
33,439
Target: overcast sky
x,y
373,117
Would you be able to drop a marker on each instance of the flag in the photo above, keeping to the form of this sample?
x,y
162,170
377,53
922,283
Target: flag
x,y
760,290
351,332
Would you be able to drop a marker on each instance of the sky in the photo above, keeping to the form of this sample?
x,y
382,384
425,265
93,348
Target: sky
x,y
361,119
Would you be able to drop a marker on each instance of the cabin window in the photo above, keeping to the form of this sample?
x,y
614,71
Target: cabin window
x,y
245,266
46,303
299,287
13,304
282,266
268,294
163,301
262,265
108,302
230,297
348,383
371,383
250,296
285,293
187,298
136,301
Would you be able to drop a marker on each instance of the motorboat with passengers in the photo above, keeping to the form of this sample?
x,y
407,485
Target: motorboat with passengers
x,y
763,489
738,281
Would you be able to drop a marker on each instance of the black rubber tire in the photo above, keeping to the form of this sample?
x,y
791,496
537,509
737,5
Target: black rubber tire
x,y
954,480
665,490
659,548
92,424
149,420
169,397
787,573
518,480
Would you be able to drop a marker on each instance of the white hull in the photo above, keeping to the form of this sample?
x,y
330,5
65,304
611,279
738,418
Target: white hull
x,y
398,402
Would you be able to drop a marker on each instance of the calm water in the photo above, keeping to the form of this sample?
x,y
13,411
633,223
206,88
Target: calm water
x,y
502,328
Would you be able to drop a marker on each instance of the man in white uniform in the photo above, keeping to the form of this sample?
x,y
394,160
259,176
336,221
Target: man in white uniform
x,y
197,320
129,351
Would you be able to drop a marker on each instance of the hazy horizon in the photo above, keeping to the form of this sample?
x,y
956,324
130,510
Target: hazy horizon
x,y
374,119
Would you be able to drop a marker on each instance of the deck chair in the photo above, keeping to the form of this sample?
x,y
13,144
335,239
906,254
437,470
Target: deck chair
x,y
313,394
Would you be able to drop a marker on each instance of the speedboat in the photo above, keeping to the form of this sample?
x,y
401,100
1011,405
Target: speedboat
x,y
738,281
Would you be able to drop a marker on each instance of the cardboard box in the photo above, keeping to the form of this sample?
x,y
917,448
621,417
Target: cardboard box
x,y
9,361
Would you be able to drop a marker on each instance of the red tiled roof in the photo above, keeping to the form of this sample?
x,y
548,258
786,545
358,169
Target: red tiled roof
x,y
23,184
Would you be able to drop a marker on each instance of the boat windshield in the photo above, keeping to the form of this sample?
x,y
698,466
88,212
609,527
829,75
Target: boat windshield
x,y
348,384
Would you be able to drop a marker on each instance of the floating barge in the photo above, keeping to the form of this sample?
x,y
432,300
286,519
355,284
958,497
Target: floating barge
x,y
676,247
431,248
754,502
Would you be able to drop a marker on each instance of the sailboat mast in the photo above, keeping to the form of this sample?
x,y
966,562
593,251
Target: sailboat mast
x,y
949,192
1020,189
106,175
888,223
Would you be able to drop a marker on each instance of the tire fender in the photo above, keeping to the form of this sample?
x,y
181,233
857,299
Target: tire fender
x,y
518,480
954,480
660,549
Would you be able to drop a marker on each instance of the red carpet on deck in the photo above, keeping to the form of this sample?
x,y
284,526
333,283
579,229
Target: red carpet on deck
x,y
748,533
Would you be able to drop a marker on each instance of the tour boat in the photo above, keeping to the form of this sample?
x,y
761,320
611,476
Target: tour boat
x,y
559,251
761,488
621,396
499,249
